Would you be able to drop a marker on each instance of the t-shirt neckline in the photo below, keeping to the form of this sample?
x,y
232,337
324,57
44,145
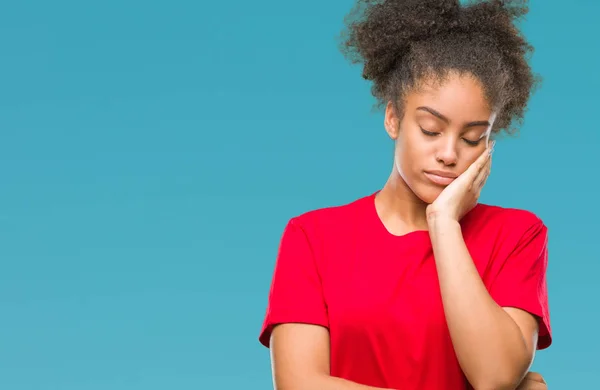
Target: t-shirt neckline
x,y
381,227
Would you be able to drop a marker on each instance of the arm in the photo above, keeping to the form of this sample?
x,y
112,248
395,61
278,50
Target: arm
x,y
296,323
300,360
495,346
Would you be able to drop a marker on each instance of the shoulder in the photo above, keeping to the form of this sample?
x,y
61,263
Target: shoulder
x,y
510,222
332,219
498,214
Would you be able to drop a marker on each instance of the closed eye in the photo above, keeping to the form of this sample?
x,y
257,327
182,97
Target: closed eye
x,y
435,134
429,133
472,143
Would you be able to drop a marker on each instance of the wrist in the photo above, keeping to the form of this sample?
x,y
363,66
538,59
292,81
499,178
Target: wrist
x,y
443,222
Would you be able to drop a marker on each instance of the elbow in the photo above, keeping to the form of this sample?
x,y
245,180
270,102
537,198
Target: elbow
x,y
506,373
496,384
307,382
498,380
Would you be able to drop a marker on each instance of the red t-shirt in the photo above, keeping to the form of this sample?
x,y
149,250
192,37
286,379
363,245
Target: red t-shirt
x,y
378,294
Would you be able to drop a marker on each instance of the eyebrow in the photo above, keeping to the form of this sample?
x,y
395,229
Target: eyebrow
x,y
445,119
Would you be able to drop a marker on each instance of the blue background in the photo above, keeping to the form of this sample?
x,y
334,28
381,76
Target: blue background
x,y
152,152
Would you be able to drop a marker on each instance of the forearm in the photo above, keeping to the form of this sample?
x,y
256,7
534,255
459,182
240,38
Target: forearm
x,y
334,383
326,382
489,345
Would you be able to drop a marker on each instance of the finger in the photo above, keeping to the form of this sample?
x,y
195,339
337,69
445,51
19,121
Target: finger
x,y
480,163
532,385
534,376
478,180
483,174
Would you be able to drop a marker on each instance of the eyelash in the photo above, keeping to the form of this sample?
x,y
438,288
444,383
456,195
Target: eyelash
x,y
432,134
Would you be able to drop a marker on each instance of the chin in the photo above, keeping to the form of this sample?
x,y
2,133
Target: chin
x,y
428,194
426,191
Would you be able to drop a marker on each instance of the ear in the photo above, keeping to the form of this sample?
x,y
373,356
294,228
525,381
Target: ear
x,y
391,121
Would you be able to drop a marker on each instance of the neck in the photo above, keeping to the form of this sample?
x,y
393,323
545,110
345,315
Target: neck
x,y
399,209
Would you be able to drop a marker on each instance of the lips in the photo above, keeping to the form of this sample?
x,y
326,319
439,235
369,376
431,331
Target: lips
x,y
441,178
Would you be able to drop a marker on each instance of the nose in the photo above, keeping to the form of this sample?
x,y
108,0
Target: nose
x,y
446,152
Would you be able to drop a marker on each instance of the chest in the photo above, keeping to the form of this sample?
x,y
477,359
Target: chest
x,y
370,287
377,286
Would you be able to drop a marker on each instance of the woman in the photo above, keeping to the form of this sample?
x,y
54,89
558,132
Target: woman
x,y
419,286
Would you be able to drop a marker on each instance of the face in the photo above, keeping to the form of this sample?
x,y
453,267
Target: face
x,y
444,128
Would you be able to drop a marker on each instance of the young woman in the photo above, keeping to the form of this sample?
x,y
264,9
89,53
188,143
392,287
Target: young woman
x,y
419,286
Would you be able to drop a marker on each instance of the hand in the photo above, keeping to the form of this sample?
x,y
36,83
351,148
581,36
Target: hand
x,y
460,196
533,381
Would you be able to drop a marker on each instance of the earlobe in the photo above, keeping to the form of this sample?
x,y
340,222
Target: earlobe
x,y
391,129
391,121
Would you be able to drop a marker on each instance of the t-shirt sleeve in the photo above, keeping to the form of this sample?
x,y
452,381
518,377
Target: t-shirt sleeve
x,y
296,293
521,279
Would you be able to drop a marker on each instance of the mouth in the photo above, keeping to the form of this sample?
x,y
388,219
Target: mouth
x,y
440,178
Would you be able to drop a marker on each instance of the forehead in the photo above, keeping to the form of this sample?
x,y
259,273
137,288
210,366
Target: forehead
x,y
459,98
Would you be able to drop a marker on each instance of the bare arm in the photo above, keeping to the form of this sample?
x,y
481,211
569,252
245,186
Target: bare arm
x,y
495,346
300,360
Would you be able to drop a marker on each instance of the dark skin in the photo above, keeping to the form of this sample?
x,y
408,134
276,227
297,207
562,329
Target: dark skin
x,y
399,44
300,352
446,127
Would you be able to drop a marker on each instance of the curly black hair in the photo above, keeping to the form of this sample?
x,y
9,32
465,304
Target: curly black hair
x,y
399,42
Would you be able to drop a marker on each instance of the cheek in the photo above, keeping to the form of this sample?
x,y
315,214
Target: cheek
x,y
412,161
470,156
416,154
413,156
